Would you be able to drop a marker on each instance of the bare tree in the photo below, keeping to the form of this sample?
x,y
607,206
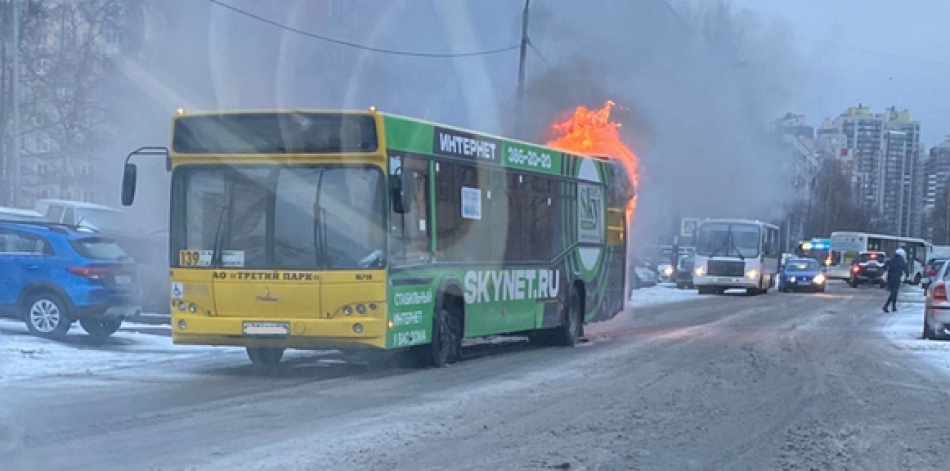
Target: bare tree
x,y
67,77
832,207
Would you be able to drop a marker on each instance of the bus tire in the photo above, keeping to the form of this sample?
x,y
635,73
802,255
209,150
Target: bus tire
x,y
265,357
446,345
705,290
572,328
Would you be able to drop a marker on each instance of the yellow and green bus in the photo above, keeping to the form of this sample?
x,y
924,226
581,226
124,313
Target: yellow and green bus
x,y
334,230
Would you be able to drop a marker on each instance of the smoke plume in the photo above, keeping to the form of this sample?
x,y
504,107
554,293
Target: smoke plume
x,y
699,86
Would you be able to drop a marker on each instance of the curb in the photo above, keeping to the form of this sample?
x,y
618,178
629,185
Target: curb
x,y
152,319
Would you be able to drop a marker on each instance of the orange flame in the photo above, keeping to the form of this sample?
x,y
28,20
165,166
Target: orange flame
x,y
591,132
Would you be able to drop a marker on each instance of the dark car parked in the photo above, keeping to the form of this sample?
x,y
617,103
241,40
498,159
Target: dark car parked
x,y
52,275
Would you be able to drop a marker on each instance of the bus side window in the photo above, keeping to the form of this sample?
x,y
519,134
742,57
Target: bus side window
x,y
468,236
410,231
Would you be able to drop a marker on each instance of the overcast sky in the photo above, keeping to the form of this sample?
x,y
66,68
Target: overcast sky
x,y
876,52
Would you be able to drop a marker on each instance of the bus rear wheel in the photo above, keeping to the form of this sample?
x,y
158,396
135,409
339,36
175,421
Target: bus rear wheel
x,y
572,328
267,357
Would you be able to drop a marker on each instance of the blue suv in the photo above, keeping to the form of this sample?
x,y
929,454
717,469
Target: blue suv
x,y
52,275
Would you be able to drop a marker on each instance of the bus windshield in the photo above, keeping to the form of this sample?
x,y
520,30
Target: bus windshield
x,y
728,240
281,217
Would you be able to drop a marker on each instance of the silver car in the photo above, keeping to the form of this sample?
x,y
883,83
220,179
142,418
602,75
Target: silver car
x,y
937,306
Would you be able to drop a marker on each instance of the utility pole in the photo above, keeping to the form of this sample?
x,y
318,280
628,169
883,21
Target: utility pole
x,y
15,197
524,52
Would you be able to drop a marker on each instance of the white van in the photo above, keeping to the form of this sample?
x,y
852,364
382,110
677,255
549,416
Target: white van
x,y
19,215
81,213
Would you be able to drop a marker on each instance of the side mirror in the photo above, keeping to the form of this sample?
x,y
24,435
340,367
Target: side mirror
x,y
401,192
129,177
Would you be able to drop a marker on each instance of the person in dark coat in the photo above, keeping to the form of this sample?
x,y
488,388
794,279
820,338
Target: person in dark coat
x,y
896,267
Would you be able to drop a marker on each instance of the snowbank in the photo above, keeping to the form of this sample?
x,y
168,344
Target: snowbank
x,y
660,294
905,327
23,356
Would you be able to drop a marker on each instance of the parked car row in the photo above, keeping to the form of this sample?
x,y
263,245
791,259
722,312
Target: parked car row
x,y
148,249
642,275
53,275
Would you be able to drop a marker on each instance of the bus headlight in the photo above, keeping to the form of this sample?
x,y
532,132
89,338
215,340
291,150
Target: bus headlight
x,y
819,279
668,271
752,274
700,270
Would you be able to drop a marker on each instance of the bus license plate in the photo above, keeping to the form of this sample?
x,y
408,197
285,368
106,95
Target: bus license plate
x,y
729,280
272,329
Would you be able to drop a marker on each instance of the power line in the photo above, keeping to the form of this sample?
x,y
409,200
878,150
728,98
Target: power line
x,y
536,51
360,46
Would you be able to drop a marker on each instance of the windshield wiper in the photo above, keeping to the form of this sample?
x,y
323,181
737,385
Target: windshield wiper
x,y
732,242
216,245
320,237
320,225
725,243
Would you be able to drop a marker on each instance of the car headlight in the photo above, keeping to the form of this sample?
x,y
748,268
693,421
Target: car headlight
x,y
752,274
820,278
668,271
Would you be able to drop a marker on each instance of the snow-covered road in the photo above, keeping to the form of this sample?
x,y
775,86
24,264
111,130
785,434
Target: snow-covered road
x,y
781,381
140,349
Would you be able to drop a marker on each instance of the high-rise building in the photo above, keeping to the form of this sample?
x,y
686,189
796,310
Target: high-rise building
x,y
794,125
883,151
936,179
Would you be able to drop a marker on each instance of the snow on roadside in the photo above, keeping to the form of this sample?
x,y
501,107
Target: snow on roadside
x,y
23,356
660,294
904,329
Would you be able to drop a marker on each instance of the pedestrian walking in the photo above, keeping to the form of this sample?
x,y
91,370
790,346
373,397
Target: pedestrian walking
x,y
895,268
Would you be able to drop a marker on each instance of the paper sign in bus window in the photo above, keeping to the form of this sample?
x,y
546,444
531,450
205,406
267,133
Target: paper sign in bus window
x,y
471,203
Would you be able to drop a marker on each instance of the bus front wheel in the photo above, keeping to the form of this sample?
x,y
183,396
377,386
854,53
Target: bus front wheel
x,y
446,345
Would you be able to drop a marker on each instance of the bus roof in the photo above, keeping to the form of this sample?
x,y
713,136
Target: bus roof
x,y
492,136
385,115
877,236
